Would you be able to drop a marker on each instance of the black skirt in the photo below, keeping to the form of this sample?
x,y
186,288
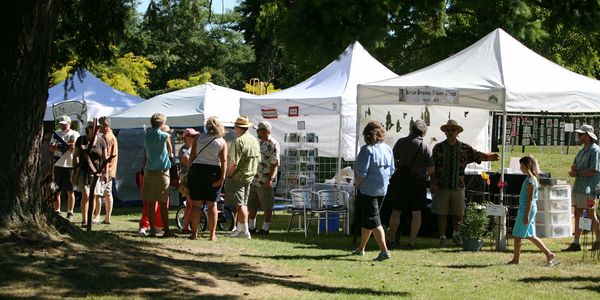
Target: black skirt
x,y
200,180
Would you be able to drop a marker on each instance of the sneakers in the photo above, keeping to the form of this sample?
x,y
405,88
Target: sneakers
x,y
574,247
457,239
383,256
443,242
143,232
262,231
70,217
252,231
358,252
595,246
240,234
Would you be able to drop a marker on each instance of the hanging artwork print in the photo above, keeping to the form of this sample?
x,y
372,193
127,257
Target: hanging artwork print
x,y
293,111
388,121
269,113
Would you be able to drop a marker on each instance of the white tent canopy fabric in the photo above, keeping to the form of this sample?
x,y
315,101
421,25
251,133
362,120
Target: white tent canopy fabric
x,y
101,99
330,92
185,108
496,68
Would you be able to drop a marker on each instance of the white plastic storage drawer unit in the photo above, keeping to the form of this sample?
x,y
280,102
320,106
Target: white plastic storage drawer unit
x,y
554,192
553,218
549,231
555,205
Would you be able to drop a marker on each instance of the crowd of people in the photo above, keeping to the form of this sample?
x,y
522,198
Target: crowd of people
x,y
246,172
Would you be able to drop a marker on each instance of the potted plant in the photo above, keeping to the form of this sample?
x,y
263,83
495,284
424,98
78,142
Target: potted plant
x,y
474,227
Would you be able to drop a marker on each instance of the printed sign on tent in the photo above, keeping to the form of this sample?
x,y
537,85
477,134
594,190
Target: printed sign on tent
x,y
428,95
269,113
293,111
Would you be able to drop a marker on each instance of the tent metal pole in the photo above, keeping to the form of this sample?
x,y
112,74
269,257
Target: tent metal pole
x,y
501,237
338,179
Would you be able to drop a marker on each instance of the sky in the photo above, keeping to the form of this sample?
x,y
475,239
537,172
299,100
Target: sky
x,y
217,5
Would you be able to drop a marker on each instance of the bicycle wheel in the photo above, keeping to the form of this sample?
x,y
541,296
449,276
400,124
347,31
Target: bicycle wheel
x,y
203,221
179,217
225,219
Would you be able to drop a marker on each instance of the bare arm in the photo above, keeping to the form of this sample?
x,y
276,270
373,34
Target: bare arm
x,y
223,159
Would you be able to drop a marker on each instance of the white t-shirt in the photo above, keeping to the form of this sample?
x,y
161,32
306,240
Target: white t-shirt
x,y
66,159
210,154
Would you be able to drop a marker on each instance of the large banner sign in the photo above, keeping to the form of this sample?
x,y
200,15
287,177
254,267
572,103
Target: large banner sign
x,y
70,108
428,95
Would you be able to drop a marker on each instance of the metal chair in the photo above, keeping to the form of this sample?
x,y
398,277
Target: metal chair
x,y
304,203
332,201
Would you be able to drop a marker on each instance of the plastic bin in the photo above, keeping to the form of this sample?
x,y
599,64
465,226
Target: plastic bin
x,y
555,205
553,218
555,192
549,231
333,222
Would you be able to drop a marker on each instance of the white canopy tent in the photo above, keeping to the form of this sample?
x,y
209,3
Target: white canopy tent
x,y
495,73
100,98
326,102
185,108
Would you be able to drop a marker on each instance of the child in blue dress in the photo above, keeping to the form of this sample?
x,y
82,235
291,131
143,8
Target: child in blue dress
x,y
525,222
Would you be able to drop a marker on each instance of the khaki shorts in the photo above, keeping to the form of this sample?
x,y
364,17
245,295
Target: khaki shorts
x,y
156,186
106,187
237,192
579,200
82,186
261,197
449,202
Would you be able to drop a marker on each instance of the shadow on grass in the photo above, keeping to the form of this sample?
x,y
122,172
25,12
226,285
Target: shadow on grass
x,y
104,263
595,287
307,257
466,266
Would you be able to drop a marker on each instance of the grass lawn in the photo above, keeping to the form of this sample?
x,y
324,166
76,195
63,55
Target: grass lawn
x,y
113,262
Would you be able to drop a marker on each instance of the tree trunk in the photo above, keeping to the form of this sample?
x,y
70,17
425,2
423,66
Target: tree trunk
x,y
27,30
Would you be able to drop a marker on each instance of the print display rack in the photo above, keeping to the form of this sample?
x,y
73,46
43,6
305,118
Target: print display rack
x,y
298,162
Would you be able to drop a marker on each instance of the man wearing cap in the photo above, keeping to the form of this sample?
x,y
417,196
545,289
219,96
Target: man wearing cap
x,y
408,192
451,157
244,156
62,144
111,169
155,188
585,169
262,191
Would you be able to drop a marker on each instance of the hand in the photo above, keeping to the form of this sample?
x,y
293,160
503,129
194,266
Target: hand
x,y
105,178
218,183
268,184
493,157
526,219
572,173
433,189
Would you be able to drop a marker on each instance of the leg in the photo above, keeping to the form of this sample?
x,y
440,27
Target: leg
x,y
364,238
540,244
108,203
164,215
97,208
456,223
252,213
151,217
595,225
578,214
379,235
415,225
84,205
394,223
244,216
187,215
196,206
212,219
442,225
70,201
267,219
56,201
517,251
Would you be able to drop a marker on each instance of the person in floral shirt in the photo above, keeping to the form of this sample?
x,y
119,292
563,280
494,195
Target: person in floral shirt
x,y
451,157
262,191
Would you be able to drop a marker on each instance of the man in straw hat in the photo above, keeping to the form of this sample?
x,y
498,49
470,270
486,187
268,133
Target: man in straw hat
x,y
585,169
448,181
244,156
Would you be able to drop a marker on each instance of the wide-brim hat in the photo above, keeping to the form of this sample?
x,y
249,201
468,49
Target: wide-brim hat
x,y
587,129
451,124
243,122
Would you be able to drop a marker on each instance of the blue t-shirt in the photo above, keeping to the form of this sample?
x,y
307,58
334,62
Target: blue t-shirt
x,y
375,163
587,159
157,155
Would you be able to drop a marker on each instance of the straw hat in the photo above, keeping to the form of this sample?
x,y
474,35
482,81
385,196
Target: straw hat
x,y
243,122
451,123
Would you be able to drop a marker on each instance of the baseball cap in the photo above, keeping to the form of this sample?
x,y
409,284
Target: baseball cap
x,y
64,120
264,125
191,132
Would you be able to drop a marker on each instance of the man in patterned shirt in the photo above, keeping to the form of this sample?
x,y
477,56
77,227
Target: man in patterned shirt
x,y
262,191
448,181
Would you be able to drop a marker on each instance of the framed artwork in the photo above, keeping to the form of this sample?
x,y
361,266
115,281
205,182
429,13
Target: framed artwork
x,y
301,125
293,111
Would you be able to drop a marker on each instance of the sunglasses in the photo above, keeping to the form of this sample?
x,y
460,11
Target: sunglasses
x,y
451,130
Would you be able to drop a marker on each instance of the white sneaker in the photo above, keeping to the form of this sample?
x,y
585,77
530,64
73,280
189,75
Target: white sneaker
x,y
234,233
143,232
244,235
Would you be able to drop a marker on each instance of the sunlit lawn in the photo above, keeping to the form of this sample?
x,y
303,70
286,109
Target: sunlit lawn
x,y
114,262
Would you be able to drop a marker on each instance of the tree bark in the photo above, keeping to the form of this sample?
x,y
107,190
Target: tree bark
x,y
27,30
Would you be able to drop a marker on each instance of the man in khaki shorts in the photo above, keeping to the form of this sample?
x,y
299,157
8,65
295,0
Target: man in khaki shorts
x,y
262,191
244,156
585,169
451,157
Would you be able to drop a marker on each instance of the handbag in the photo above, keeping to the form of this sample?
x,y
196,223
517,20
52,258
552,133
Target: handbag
x,y
183,178
174,173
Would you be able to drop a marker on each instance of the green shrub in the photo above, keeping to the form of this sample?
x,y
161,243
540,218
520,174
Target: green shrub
x,y
475,222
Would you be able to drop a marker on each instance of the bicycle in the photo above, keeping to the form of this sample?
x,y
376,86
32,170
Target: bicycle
x,y
225,216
